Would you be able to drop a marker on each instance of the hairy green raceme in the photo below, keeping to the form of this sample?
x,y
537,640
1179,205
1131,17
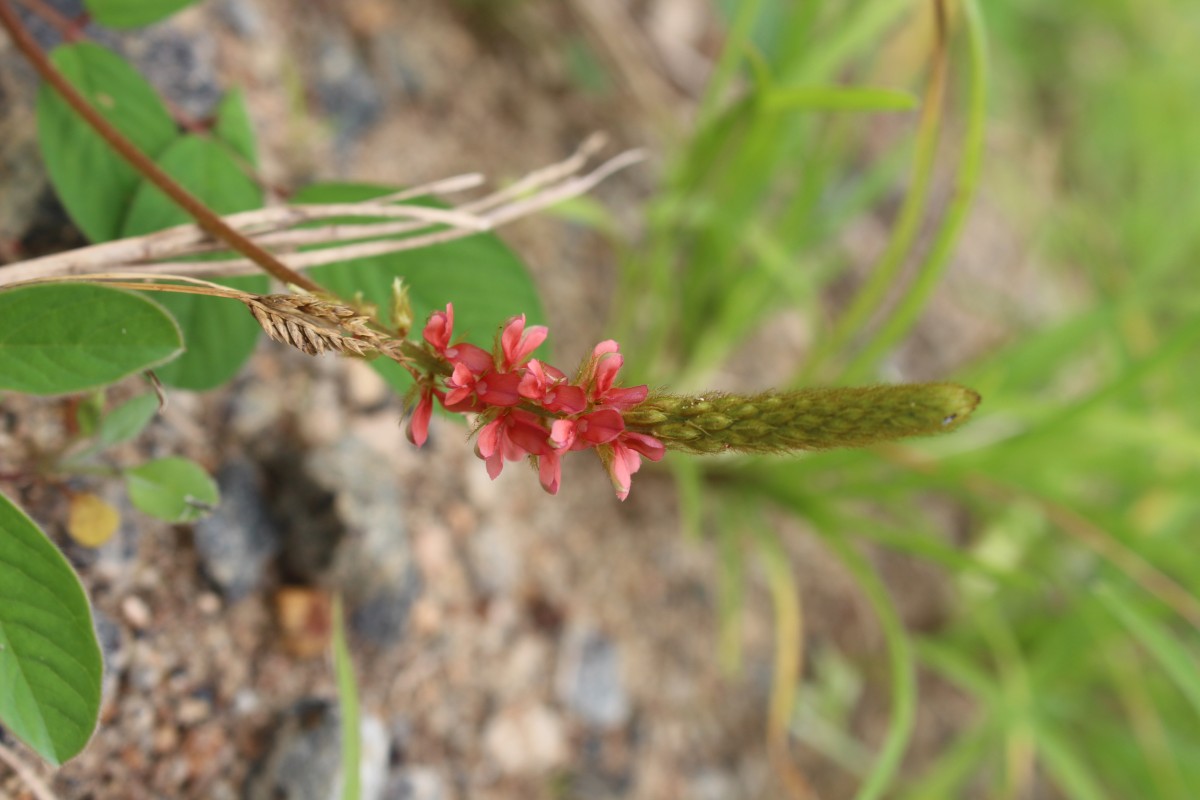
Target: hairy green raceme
x,y
806,419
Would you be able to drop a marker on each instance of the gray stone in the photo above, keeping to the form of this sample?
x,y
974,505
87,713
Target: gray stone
x,y
417,783
588,679
374,565
345,88
239,539
244,17
182,65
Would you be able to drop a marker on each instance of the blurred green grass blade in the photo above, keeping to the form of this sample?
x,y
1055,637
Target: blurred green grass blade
x,y
737,41
954,664
957,764
847,40
730,591
1175,660
1127,672
1180,343
929,274
884,275
900,661
1019,698
1068,769
836,98
789,632
349,712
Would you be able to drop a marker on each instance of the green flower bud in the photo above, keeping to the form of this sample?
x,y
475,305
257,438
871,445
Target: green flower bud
x,y
807,419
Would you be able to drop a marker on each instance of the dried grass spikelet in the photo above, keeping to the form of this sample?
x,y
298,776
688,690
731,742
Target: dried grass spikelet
x,y
316,326
806,419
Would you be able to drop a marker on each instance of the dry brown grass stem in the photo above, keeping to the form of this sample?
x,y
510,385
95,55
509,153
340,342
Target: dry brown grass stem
x,y
417,226
36,785
316,326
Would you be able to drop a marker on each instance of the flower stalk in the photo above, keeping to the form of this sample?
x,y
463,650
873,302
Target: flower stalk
x,y
527,409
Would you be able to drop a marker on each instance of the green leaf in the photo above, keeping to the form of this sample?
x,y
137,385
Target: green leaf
x,y
94,184
219,334
233,126
479,274
205,169
50,665
132,13
126,420
173,489
70,337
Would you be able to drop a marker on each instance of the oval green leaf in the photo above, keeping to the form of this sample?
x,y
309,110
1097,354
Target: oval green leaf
x,y
127,420
94,184
219,334
479,274
132,13
233,126
172,489
50,664
69,337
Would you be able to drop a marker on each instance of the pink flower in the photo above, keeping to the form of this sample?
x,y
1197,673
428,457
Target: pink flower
x,y
510,437
492,388
517,344
601,373
599,427
623,457
548,387
440,328
418,422
438,332
474,358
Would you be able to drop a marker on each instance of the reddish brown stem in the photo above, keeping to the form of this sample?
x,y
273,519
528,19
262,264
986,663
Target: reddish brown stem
x,y
204,216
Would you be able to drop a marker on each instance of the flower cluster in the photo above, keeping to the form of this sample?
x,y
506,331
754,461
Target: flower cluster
x,y
530,409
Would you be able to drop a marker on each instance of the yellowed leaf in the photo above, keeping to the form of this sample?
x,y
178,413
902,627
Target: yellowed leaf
x,y
91,521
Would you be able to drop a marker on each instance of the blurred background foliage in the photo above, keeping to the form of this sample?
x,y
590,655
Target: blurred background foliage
x,y
1065,515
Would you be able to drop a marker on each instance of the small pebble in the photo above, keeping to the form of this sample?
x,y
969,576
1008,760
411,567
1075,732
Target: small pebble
x,y
526,740
135,611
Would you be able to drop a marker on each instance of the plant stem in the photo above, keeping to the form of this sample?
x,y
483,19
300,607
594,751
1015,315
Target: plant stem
x,y
204,216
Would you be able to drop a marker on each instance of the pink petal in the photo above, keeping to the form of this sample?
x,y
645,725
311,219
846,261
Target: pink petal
x,y
566,400
606,372
625,398
440,328
601,426
618,471
494,464
607,346
550,471
645,444
510,336
498,388
533,382
531,341
562,433
488,440
476,359
526,438
418,423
